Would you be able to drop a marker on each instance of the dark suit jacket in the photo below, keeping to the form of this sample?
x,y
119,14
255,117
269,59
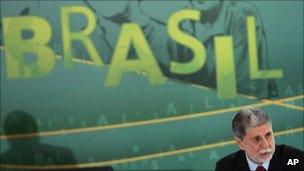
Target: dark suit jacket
x,y
237,161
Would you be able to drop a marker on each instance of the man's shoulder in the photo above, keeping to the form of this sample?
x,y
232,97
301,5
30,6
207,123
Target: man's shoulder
x,y
243,6
232,162
284,157
232,158
243,9
285,150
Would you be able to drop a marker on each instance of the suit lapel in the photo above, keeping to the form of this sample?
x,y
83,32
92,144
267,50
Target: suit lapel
x,y
242,164
276,162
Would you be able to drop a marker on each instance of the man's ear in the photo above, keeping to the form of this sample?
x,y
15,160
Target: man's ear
x,y
239,142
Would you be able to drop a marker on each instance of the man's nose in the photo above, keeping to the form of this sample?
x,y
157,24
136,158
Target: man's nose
x,y
264,143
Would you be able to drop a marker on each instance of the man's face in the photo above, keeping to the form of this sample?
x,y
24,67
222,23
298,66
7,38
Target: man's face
x,y
258,143
206,5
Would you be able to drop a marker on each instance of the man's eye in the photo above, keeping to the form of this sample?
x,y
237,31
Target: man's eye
x,y
256,139
268,134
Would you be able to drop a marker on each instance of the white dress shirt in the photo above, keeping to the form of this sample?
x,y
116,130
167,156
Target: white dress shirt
x,y
253,166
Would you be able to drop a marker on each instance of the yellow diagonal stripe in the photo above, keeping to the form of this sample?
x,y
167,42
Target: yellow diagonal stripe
x,y
146,122
139,158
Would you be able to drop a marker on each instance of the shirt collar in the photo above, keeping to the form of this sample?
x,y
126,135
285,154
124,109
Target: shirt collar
x,y
253,166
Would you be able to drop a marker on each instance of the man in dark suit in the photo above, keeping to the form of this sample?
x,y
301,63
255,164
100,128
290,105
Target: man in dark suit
x,y
254,136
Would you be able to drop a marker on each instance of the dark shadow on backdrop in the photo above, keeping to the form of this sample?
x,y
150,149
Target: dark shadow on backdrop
x,y
30,151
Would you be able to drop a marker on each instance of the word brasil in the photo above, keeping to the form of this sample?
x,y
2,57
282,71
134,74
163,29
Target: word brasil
x,y
130,34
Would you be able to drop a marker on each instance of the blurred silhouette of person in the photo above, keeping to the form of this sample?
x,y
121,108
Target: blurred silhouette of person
x,y
30,150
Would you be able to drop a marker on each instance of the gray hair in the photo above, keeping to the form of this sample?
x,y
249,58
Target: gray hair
x,y
247,118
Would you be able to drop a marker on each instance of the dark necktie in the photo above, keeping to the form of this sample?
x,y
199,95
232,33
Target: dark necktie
x,y
260,168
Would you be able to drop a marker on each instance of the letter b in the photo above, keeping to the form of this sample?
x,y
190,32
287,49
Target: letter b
x,y
15,47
